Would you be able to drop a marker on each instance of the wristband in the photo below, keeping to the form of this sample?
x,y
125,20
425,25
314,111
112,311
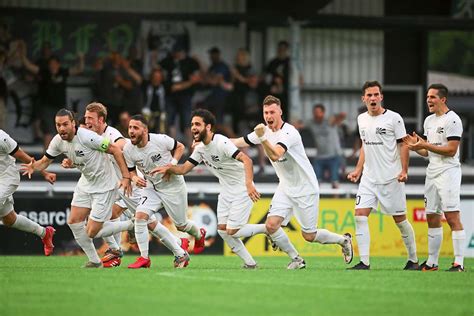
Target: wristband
x,y
174,162
262,138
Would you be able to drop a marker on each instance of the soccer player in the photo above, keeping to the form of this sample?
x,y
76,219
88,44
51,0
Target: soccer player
x,y
95,120
234,169
382,169
298,189
440,143
9,151
96,190
148,151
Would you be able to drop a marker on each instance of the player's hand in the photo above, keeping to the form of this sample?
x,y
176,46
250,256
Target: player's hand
x,y
67,163
414,142
49,176
354,176
139,182
260,130
164,170
126,184
252,192
28,168
402,177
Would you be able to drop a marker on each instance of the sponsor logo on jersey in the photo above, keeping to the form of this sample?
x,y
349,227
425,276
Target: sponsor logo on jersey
x,y
215,158
380,130
156,158
366,142
440,130
79,153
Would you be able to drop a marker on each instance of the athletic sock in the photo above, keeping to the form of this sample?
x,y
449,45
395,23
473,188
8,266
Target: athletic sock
x,y
408,236
237,247
141,234
168,239
111,242
459,238
80,234
363,238
192,229
249,230
283,242
109,228
435,238
324,236
27,225
117,236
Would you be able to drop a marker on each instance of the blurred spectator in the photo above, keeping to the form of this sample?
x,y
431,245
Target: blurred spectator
x,y
6,39
357,142
181,74
124,119
277,75
326,136
51,89
154,105
240,72
218,79
3,91
133,97
46,54
115,78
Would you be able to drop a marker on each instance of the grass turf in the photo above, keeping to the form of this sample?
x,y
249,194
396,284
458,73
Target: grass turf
x,y
216,285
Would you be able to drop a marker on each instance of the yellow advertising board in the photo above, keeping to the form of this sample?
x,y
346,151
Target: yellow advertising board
x,y
337,215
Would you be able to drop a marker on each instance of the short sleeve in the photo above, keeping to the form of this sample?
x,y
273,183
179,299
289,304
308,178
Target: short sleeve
x,y
54,148
8,145
288,138
252,139
169,142
128,156
454,128
425,132
93,140
399,127
230,150
196,156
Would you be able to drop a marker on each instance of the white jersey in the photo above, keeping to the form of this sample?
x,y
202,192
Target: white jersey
x,y
295,172
114,135
219,157
87,153
380,136
157,152
438,130
8,171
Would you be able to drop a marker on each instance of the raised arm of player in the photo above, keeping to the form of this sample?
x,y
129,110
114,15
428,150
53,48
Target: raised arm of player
x,y
274,152
239,142
40,165
248,168
354,176
170,169
125,182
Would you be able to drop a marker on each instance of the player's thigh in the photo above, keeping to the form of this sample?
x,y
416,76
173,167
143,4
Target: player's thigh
x,y
449,188
6,198
223,208
306,210
366,196
81,198
102,203
392,198
281,206
176,205
150,202
129,202
239,211
432,198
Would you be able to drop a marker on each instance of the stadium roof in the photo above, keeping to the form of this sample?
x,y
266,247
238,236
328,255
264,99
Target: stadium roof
x,y
457,84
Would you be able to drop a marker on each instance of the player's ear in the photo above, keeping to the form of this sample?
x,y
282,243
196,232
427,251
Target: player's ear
x,y
381,97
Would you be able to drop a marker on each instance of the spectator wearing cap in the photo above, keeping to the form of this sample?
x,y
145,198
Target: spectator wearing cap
x,y
181,76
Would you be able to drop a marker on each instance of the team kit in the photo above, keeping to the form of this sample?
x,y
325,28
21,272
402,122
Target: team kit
x,y
125,181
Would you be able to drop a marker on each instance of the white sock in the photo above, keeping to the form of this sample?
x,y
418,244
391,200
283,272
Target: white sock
x,y
117,236
109,228
435,238
111,242
284,243
324,236
408,236
27,225
237,247
141,234
249,230
363,238
168,239
80,234
192,229
459,238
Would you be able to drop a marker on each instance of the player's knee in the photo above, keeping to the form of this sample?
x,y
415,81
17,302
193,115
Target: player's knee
x,y
271,227
9,219
181,228
308,236
231,231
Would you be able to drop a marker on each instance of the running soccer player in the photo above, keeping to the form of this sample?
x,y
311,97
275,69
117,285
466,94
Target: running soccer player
x,y
234,169
96,190
95,120
146,152
440,143
9,152
382,169
298,189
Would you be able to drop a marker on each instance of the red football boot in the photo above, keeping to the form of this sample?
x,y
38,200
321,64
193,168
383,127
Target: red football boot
x,y
140,263
184,244
199,244
48,241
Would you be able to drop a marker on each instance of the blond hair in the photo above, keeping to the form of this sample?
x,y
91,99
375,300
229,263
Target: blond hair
x,y
270,99
98,108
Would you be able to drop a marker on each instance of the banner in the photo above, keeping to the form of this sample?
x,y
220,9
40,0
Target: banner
x,y
337,215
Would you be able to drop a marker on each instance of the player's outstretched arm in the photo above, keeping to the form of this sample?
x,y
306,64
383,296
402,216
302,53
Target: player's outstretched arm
x,y
22,156
139,181
239,142
49,176
273,152
170,169
40,165
248,168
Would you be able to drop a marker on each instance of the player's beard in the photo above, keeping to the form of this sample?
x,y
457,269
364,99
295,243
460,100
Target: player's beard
x,y
138,139
202,135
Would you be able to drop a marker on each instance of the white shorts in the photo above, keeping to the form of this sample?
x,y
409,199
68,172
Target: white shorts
x,y
174,200
442,194
129,202
6,199
391,197
233,211
100,204
305,208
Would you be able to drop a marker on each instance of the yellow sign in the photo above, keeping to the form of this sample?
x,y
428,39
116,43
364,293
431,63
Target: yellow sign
x,y
337,215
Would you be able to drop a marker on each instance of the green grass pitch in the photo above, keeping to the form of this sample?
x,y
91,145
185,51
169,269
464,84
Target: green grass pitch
x,y
216,285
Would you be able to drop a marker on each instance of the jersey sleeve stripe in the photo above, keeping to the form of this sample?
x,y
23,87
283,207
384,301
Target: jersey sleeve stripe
x,y
49,156
132,168
194,162
453,138
118,138
282,145
175,144
247,140
234,155
14,150
424,137
400,140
